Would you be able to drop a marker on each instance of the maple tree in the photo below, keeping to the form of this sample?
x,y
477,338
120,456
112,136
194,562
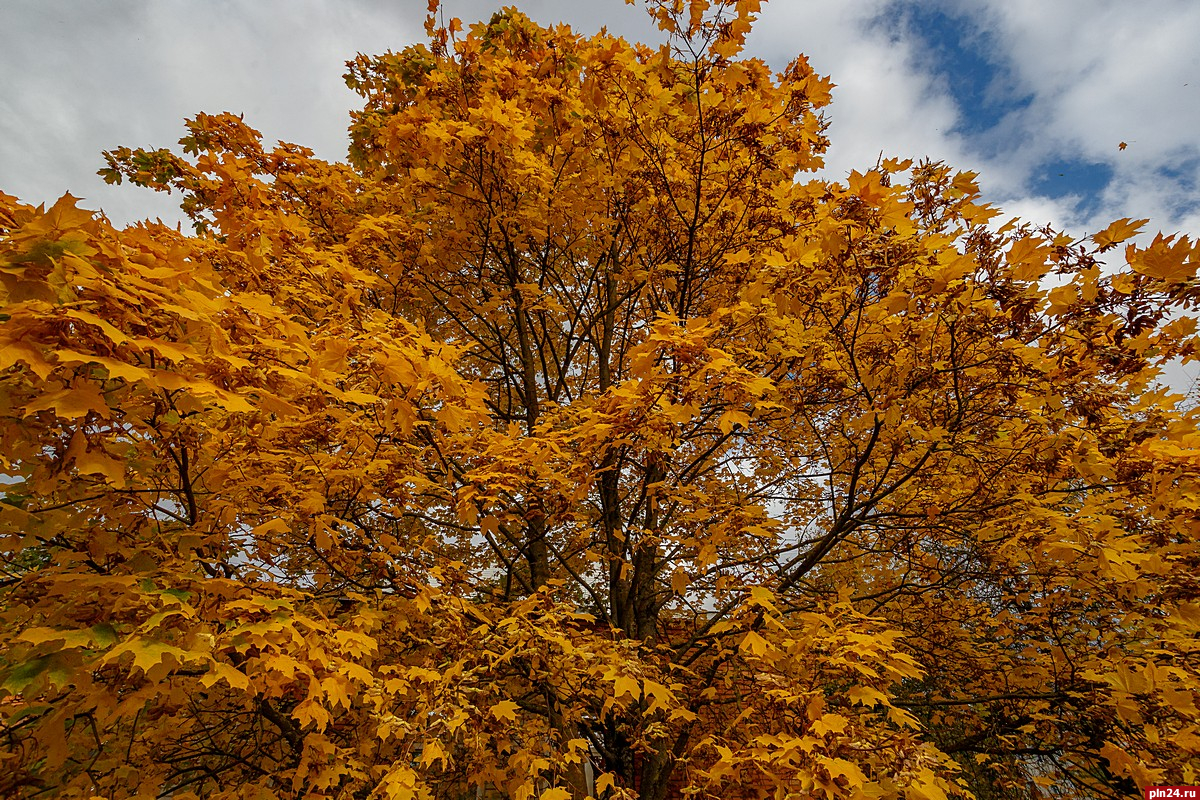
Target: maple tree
x,y
570,441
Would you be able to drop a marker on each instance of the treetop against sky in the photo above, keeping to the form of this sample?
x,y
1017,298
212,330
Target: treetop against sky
x,y
1035,96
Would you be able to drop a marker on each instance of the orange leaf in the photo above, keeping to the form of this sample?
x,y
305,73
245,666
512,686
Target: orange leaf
x,y
1118,232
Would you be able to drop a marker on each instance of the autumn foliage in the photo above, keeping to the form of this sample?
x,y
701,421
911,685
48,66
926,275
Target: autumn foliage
x,y
570,439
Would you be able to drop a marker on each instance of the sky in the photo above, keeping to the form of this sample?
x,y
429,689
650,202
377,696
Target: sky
x,y
1035,95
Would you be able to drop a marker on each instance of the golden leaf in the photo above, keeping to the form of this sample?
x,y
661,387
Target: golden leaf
x,y
505,711
754,644
72,403
1118,232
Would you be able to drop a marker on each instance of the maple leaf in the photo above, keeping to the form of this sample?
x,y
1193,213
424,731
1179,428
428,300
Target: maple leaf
x,y
1169,259
1118,232
867,696
432,751
754,644
625,685
505,711
226,673
71,403
148,655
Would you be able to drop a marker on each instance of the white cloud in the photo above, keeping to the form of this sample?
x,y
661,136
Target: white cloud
x,y
1101,72
883,102
82,78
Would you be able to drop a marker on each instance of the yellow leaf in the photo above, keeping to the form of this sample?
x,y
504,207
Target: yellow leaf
x,y
740,257
679,582
355,644
1123,282
624,685
72,403
95,462
15,352
431,752
401,782
1190,614
336,691
604,781
1062,298
311,712
732,419
1028,258
117,369
231,401
220,671
867,187
829,723
1181,700
147,654
754,644
1118,232
457,720
112,333
277,525
902,717
895,303
926,787
505,711
1167,258
866,696
658,695
69,638
847,769
763,598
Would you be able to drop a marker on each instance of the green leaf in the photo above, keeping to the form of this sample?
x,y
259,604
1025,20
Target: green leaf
x,y
24,674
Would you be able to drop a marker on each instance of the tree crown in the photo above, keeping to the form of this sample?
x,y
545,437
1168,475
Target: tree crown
x,y
570,441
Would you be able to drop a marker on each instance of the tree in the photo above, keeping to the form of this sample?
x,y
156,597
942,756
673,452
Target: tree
x,y
563,442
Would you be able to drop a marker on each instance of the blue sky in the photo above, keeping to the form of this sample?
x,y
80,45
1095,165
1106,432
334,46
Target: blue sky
x,y
1035,95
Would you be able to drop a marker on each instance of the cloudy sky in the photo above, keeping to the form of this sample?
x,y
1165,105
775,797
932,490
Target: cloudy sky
x,y
1036,95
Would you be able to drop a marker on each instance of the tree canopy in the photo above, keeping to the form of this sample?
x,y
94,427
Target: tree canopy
x,y
572,439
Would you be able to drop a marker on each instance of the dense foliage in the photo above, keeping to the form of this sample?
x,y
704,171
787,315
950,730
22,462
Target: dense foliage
x,y
569,440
